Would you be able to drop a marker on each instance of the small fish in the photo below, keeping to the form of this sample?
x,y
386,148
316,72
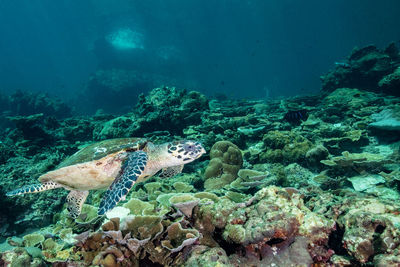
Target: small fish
x,y
295,116
342,64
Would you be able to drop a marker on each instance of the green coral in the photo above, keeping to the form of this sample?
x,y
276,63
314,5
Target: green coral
x,y
207,196
181,198
202,256
236,197
153,189
249,179
357,161
163,199
53,251
138,207
226,160
67,236
32,240
235,233
88,214
284,147
182,187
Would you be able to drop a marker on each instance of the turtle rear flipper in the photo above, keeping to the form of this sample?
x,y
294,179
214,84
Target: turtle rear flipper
x,y
132,168
33,188
75,201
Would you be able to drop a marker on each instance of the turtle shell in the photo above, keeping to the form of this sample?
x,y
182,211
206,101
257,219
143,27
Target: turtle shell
x,y
101,149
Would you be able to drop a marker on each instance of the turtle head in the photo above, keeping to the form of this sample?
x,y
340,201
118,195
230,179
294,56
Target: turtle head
x,y
185,151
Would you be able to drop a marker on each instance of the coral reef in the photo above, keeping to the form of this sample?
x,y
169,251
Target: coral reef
x,y
24,104
170,109
322,190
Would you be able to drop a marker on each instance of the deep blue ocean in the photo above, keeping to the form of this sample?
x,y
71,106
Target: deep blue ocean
x,y
244,49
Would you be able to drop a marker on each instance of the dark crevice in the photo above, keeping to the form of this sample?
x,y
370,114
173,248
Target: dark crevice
x,y
335,241
230,248
275,241
379,229
377,240
148,263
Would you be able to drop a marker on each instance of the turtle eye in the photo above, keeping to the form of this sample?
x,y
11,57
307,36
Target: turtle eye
x,y
189,147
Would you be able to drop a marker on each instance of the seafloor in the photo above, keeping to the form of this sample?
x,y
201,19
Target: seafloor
x,y
289,182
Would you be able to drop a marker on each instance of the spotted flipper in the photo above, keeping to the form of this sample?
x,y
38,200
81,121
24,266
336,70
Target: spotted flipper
x,y
75,200
33,188
132,168
171,171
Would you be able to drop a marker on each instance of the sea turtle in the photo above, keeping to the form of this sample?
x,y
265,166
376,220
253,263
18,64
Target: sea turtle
x,y
116,164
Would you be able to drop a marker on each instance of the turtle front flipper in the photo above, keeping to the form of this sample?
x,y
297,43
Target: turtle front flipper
x,y
75,200
132,168
33,188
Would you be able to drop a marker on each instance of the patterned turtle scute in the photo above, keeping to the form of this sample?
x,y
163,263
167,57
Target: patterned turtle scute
x,y
132,169
101,149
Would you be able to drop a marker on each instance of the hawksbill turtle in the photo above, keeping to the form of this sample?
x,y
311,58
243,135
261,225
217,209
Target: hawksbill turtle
x,y
116,164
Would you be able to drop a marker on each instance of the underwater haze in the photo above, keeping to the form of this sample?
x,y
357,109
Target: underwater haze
x,y
224,133
238,48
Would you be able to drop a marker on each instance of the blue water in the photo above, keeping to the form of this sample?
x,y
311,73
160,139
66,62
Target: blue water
x,y
252,48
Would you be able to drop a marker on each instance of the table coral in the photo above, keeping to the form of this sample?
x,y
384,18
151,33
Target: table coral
x,y
32,240
184,203
358,162
138,207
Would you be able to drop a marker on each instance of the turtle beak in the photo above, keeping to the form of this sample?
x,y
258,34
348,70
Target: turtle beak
x,y
202,151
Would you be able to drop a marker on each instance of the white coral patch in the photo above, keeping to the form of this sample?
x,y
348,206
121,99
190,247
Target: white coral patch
x,y
118,212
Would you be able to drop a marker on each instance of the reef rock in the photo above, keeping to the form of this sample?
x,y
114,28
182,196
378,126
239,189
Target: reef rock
x,y
365,68
169,109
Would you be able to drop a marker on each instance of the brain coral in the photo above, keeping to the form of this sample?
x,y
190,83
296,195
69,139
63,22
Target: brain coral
x,y
226,161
